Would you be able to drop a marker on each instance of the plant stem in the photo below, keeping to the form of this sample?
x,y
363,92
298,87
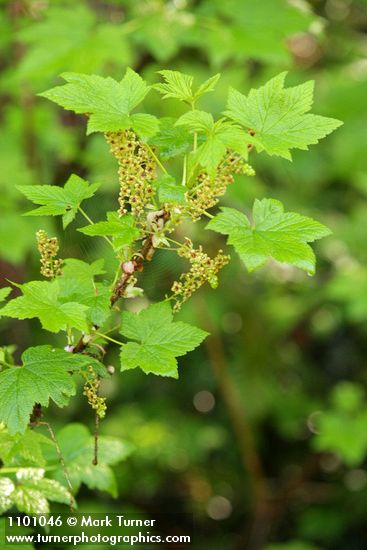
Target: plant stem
x,y
109,338
116,276
61,458
113,329
96,438
184,171
145,254
173,241
195,134
156,158
91,222
194,189
5,364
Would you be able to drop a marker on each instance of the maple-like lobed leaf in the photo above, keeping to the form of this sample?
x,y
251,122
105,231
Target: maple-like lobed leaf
x,y
283,236
176,85
41,299
59,201
207,86
159,340
197,121
219,137
44,376
77,284
107,103
122,229
278,118
22,448
32,491
179,86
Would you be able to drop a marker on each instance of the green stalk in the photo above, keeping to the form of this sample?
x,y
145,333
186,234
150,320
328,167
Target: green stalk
x,y
5,364
184,171
91,222
156,158
109,338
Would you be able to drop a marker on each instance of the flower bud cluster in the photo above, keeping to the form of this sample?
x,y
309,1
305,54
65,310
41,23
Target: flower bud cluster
x,y
48,249
137,171
203,269
91,389
208,190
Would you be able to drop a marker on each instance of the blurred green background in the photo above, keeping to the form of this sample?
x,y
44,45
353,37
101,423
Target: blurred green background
x,y
264,436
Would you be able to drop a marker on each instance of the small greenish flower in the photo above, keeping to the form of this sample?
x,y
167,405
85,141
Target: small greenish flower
x,y
48,249
137,171
203,270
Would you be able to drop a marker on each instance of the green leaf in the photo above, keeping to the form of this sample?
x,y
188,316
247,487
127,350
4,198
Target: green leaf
x,y
99,304
169,191
171,140
277,117
176,85
57,201
197,121
31,492
180,86
77,284
348,409
207,86
53,490
101,478
22,449
6,490
220,136
274,234
107,102
41,299
121,228
146,126
29,500
82,271
158,340
45,375
4,293
77,447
